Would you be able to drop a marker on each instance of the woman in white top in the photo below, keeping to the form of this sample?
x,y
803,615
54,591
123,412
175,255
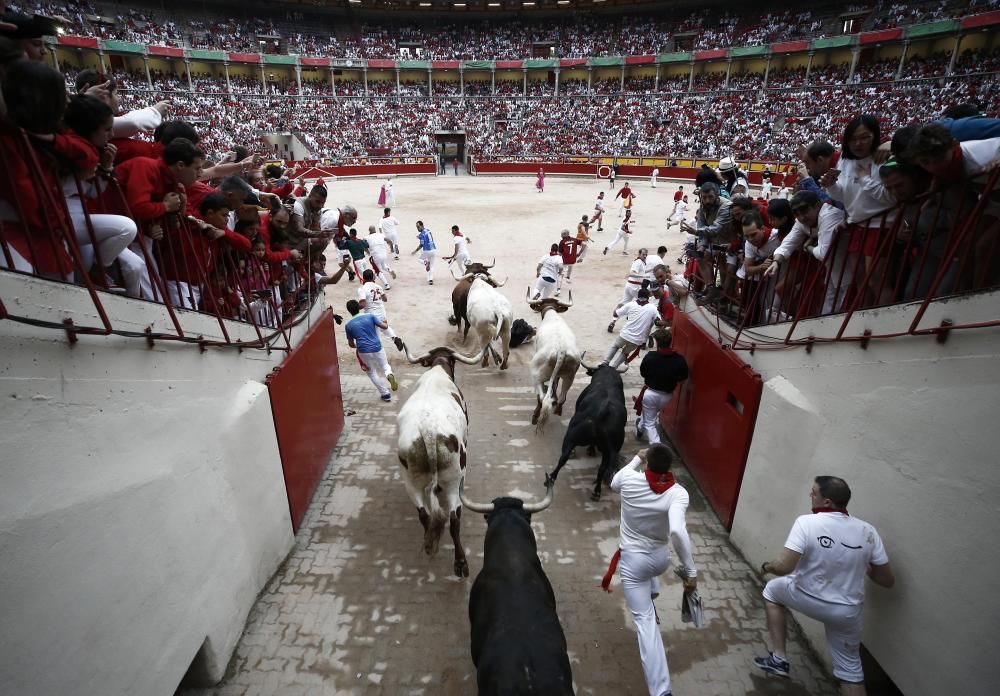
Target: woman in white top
x,y
857,184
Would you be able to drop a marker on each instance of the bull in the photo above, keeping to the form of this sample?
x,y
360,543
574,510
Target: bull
x,y
518,645
460,293
491,315
433,435
598,423
556,359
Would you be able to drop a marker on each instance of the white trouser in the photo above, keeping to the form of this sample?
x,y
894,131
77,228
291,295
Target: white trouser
x,y
843,624
360,266
840,277
181,294
146,290
393,242
427,258
111,232
463,260
675,219
630,291
622,348
544,287
263,312
652,403
652,181
639,572
378,369
620,235
382,317
382,261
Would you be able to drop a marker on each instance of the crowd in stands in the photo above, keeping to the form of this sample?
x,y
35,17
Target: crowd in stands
x,y
579,35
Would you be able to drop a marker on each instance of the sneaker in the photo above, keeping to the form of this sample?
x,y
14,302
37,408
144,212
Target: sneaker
x,y
638,434
388,287
611,327
772,665
393,273
399,346
392,382
605,251
397,258
387,397
624,253
430,282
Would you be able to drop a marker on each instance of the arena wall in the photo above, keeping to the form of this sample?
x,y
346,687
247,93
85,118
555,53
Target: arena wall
x,y
142,504
927,478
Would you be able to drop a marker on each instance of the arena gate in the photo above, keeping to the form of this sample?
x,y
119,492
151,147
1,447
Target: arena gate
x,y
711,419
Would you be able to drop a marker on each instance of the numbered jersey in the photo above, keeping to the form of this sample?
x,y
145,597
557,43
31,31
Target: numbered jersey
x,y
373,297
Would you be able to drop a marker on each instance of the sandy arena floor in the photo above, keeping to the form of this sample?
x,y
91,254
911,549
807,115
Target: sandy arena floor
x,y
358,609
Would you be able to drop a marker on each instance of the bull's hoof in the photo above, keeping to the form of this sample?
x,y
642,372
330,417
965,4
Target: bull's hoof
x,y
557,410
453,321
595,496
461,568
503,365
534,419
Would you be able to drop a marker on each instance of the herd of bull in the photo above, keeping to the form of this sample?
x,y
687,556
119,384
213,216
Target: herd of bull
x,y
511,597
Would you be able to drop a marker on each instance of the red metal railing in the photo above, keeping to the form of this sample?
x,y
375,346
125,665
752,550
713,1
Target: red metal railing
x,y
941,244
233,286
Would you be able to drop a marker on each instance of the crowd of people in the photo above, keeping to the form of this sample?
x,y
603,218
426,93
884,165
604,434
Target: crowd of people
x,y
582,35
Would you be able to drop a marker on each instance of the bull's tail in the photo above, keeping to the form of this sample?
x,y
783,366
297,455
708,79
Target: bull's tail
x,y
438,518
546,410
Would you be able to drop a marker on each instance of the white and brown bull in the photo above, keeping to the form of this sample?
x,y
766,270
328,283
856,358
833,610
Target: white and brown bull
x,y
460,293
433,434
556,359
490,314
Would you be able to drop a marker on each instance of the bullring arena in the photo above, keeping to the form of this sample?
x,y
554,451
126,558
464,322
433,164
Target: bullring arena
x,y
359,609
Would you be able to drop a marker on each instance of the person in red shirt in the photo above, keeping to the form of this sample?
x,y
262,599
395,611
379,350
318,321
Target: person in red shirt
x,y
569,248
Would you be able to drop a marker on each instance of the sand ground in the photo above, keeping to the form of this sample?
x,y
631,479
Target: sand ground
x,y
358,609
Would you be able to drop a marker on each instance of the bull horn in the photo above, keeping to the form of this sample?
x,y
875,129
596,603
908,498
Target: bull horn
x,y
585,365
406,351
550,487
527,294
483,508
500,285
569,304
462,277
470,360
492,264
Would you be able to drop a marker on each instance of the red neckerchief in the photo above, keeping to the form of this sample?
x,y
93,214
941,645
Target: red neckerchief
x,y
829,509
659,483
956,168
554,253
386,215
665,351
767,235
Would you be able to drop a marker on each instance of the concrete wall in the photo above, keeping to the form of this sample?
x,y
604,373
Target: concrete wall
x,y
908,422
142,504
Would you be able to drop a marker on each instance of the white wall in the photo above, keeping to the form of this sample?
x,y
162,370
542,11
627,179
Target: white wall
x,y
142,505
910,424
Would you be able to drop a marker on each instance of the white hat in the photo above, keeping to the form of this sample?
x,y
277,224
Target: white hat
x,y
726,164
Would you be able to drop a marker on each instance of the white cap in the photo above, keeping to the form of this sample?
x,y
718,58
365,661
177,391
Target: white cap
x,y
726,164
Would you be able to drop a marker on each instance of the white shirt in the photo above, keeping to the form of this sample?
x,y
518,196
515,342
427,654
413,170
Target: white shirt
x,y
836,552
756,255
681,208
135,122
639,270
830,217
376,244
372,295
859,187
551,266
976,154
388,226
462,247
656,173
599,204
639,321
649,520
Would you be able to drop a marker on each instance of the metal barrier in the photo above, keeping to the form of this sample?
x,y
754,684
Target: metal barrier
x,y
943,243
185,271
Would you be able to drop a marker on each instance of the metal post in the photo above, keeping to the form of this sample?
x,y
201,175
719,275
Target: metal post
x,y
364,77
229,86
691,78
954,54
809,65
399,90
656,83
333,82
298,78
104,68
187,68
590,81
557,82
493,81
621,83
855,55
461,81
525,93
902,60
430,83
729,71
263,76
145,64
767,70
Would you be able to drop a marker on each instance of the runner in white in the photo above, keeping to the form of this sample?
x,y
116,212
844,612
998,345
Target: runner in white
x,y
372,301
680,209
461,254
598,212
765,189
379,249
640,317
640,271
548,271
390,197
623,233
652,179
427,249
388,224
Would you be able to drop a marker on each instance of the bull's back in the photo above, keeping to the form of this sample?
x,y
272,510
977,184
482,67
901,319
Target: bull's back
x,y
432,416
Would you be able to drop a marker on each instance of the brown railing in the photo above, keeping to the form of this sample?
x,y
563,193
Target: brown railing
x,y
233,286
943,243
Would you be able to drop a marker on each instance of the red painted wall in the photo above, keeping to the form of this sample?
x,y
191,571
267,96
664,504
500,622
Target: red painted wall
x,y
308,410
712,416
591,170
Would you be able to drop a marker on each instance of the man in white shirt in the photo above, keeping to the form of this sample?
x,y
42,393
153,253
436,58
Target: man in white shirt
x,y
461,250
653,515
652,179
379,249
641,270
817,231
640,318
372,301
388,224
623,233
547,273
822,569
598,212
680,209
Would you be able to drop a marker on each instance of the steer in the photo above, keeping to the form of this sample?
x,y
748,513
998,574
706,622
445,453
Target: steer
x,y
491,315
518,645
556,359
460,293
433,433
599,422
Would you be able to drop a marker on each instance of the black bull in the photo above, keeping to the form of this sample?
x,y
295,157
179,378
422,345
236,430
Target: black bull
x,y
518,645
598,423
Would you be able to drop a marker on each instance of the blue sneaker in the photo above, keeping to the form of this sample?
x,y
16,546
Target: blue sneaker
x,y
772,665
